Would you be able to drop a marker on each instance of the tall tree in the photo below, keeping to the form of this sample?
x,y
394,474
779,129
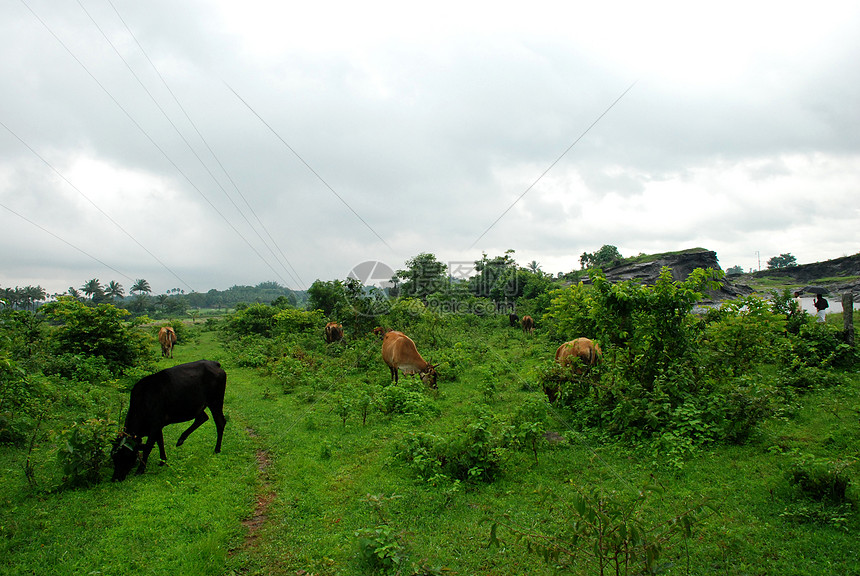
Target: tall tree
x,y
608,255
782,261
93,289
34,294
114,290
140,285
423,275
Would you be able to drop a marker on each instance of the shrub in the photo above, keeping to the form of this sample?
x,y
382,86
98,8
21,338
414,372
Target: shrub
x,y
399,399
821,479
100,331
255,319
604,531
84,450
472,454
79,368
293,321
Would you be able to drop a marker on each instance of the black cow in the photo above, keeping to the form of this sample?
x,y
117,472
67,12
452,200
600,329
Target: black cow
x,y
514,319
173,395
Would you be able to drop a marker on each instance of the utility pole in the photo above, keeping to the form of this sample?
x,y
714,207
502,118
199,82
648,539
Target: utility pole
x,y
758,255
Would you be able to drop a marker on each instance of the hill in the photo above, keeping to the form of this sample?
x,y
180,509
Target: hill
x,y
838,275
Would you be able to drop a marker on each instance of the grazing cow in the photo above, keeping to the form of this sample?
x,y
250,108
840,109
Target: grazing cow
x,y
380,331
173,395
514,319
586,350
333,332
528,324
399,352
167,338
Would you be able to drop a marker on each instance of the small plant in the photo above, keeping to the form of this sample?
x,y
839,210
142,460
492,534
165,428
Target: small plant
x,y
84,450
380,549
605,532
527,427
821,479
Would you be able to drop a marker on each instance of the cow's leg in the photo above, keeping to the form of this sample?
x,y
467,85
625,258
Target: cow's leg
x,y
147,448
160,441
201,418
220,423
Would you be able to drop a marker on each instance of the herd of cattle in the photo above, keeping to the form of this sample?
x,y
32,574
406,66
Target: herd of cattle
x,y
184,392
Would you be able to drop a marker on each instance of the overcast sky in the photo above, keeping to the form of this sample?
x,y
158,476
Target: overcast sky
x,y
202,144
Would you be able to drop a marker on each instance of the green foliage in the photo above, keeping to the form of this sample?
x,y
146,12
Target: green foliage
x,y
403,399
78,368
527,426
84,451
96,331
740,333
603,531
255,319
608,255
293,321
474,453
380,549
782,261
821,479
328,297
423,275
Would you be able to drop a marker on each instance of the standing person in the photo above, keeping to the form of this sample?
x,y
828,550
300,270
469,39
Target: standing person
x,y
821,305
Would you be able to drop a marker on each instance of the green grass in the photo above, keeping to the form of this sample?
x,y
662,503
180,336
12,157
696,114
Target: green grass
x,y
328,479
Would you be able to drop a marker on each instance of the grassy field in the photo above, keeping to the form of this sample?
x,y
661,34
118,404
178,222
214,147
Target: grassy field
x,y
302,473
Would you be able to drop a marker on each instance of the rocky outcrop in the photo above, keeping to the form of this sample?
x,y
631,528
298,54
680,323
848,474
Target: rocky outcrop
x,y
838,275
682,265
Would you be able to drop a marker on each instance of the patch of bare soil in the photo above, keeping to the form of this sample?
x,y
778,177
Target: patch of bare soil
x,y
265,496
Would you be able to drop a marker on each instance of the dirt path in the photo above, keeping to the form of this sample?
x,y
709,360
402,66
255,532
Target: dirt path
x,y
264,497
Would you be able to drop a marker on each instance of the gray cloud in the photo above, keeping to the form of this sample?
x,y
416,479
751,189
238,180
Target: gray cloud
x,y
428,128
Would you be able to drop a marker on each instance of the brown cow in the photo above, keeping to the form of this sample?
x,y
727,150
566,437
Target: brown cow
x,y
399,352
586,350
381,331
528,324
167,338
333,332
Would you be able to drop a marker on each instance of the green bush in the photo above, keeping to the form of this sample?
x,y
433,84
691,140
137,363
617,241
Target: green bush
x,y
255,319
78,368
473,454
84,451
821,479
96,331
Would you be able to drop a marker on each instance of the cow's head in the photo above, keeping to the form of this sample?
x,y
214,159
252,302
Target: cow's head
x,y
428,375
125,452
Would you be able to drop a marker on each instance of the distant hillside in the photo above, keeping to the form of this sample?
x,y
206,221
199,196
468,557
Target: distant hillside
x,y
646,269
838,275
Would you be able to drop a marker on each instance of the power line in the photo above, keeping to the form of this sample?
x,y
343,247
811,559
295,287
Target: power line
x,y
81,250
215,156
146,134
87,198
551,166
308,166
175,128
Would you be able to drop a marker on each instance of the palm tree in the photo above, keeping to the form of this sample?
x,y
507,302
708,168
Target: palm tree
x,y
141,285
114,290
93,289
34,294
533,266
74,293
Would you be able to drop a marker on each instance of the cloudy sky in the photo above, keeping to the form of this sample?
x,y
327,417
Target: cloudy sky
x,y
203,144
